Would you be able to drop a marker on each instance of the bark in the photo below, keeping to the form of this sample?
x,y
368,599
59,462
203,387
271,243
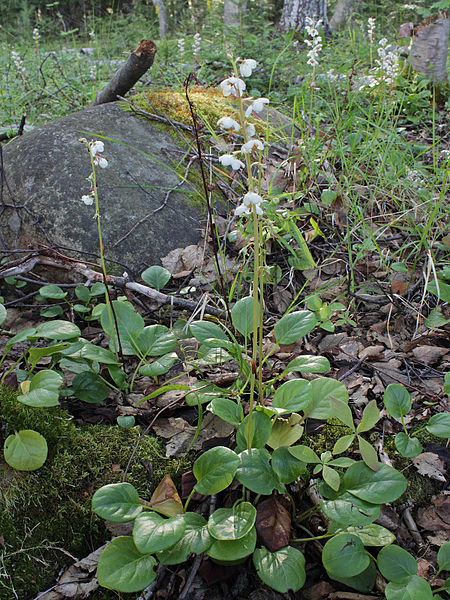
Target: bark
x,y
232,10
343,13
429,50
293,16
137,64
162,16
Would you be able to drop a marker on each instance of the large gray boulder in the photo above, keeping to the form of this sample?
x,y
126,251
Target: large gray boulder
x,y
45,174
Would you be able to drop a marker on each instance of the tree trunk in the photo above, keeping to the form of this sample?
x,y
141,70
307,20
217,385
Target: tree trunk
x,y
232,11
430,47
293,16
344,11
162,16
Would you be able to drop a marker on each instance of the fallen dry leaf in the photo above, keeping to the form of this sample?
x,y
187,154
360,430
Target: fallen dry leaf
x,y
428,464
429,354
273,524
165,499
437,516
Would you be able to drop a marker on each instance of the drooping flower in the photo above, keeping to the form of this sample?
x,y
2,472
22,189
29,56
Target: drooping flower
x,y
250,130
88,199
256,106
232,86
251,145
228,123
249,200
246,67
315,43
228,160
96,148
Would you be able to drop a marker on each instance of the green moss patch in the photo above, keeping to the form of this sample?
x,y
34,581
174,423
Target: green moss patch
x,y
45,515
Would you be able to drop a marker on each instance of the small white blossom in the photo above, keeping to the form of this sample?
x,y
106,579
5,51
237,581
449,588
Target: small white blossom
x,y
256,106
315,43
228,123
197,44
96,148
101,162
250,199
250,130
247,66
228,160
88,199
370,28
180,44
19,64
36,34
92,35
251,145
232,86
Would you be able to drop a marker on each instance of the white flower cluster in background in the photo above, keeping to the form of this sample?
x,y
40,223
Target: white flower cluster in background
x,y
387,69
314,41
180,44
36,34
235,87
370,29
18,63
196,44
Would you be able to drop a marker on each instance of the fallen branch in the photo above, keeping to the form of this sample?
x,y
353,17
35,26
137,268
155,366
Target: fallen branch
x,y
137,64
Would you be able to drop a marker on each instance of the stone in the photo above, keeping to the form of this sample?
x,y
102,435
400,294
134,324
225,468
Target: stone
x,y
45,175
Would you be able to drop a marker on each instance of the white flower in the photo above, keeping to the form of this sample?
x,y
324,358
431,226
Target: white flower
x,y
250,199
96,147
250,130
256,106
228,123
197,44
232,86
228,160
36,34
88,199
101,162
246,67
250,145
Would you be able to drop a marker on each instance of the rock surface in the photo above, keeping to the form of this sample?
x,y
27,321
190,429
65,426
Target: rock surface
x,y
45,174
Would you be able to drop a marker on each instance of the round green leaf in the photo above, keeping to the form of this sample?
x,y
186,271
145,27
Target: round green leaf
x,y
2,313
232,523
215,470
286,466
443,557
373,535
196,539
408,447
293,396
283,570
260,431
88,386
395,563
348,510
82,293
53,292
255,472
156,340
344,555
117,502
126,422
294,326
363,582
204,330
439,425
123,568
57,330
156,277
308,363
380,487
397,400
153,533
412,588
40,398
98,354
52,311
242,315
232,550
323,389
25,450
228,410
159,366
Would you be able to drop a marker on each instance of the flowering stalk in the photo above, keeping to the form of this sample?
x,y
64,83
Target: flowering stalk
x,y
370,30
251,205
95,150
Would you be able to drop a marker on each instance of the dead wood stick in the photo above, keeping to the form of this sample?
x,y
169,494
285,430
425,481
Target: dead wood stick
x,y
138,63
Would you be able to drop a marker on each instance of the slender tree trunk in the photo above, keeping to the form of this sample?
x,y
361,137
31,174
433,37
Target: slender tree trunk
x,y
430,47
293,16
232,11
162,16
344,11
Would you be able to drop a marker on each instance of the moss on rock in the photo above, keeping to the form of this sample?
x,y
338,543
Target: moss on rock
x,y
45,515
